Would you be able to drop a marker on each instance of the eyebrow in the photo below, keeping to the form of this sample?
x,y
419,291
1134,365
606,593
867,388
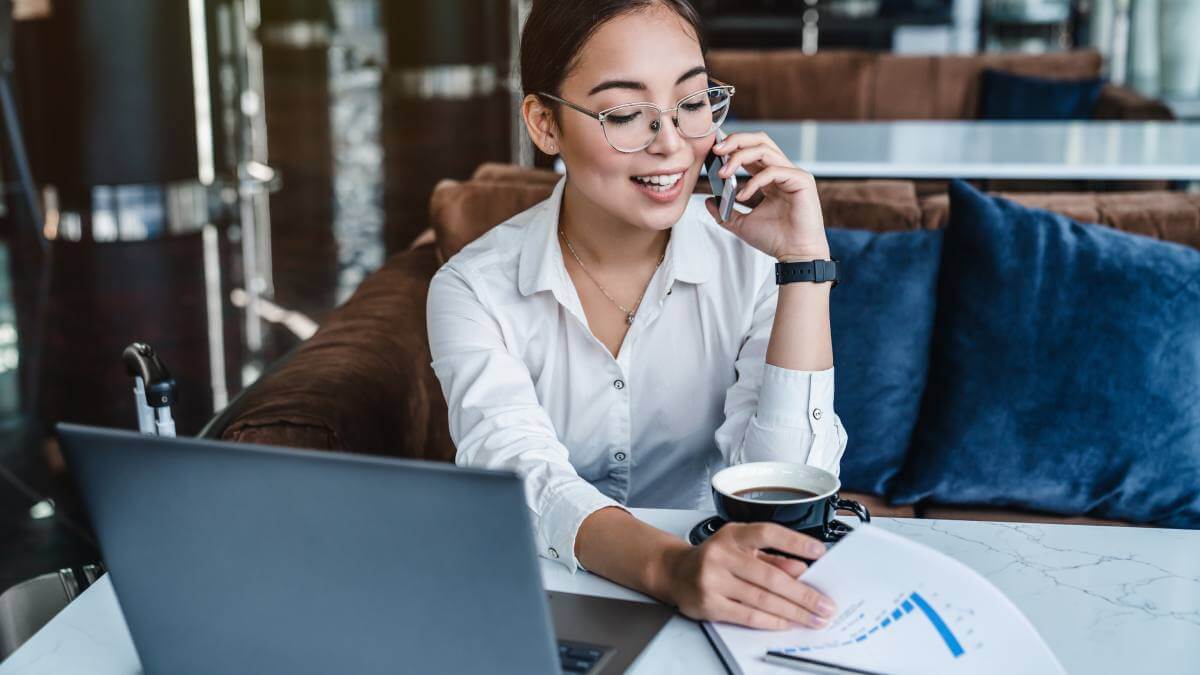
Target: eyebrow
x,y
641,86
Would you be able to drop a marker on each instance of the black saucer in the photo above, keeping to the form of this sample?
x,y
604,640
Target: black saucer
x,y
709,526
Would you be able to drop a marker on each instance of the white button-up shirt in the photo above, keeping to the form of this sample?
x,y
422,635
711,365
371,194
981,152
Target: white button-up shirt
x,y
531,390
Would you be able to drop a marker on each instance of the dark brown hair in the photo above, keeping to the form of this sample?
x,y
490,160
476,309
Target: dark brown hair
x,y
557,29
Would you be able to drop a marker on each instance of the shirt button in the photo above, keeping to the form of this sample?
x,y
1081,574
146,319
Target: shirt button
x,y
816,413
620,456
619,384
553,553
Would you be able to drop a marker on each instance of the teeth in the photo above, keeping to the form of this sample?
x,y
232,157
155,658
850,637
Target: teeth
x,y
663,180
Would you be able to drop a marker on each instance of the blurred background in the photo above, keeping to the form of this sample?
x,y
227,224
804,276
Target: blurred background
x,y
215,176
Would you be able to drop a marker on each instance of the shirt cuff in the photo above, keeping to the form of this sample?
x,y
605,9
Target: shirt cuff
x,y
565,510
796,399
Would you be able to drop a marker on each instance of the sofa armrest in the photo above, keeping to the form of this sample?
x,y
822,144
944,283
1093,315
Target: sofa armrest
x,y
1122,103
363,383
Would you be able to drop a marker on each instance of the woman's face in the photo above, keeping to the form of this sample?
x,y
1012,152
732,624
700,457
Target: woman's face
x,y
646,56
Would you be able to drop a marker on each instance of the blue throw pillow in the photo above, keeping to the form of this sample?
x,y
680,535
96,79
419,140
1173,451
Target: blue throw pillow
x,y
1065,374
882,319
1017,97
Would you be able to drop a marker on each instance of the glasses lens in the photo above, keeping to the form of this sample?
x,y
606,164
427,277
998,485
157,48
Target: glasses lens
x,y
631,127
701,113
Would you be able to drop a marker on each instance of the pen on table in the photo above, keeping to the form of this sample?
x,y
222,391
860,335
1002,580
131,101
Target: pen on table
x,y
813,665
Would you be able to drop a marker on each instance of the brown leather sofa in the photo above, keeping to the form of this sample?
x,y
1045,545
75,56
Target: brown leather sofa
x,y
857,85
364,383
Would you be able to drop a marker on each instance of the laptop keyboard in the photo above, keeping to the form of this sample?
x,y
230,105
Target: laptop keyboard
x,y
578,657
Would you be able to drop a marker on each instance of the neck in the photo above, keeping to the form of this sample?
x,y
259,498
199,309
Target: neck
x,y
605,240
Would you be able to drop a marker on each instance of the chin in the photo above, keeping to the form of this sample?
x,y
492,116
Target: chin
x,y
661,219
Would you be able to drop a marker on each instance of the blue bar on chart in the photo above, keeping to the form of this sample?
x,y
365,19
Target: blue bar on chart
x,y
947,635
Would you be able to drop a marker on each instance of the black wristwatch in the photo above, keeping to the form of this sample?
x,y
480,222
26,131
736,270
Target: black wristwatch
x,y
818,271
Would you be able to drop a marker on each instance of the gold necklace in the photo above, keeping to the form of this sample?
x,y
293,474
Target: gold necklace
x,y
629,313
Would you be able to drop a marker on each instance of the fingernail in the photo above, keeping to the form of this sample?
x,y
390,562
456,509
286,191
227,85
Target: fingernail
x,y
817,621
719,146
825,608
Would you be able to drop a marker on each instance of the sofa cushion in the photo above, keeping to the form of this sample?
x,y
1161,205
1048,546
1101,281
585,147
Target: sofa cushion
x,y
789,84
461,212
514,173
1122,103
1019,97
1170,216
958,79
879,205
1064,370
882,320
901,87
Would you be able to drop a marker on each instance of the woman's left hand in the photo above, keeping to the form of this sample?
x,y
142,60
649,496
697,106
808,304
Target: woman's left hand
x,y
787,223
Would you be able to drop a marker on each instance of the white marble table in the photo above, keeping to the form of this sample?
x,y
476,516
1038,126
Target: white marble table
x,y
983,149
1107,599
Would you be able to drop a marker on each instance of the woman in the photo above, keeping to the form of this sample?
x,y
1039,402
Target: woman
x,y
615,345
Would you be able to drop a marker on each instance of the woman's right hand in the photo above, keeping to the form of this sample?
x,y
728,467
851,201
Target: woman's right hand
x,y
730,578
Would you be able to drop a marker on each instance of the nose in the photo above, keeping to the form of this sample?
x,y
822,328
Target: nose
x,y
667,141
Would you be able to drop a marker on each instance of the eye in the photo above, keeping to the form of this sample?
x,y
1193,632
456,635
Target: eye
x,y
623,119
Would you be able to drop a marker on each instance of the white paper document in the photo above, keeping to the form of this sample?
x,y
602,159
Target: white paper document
x,y
902,608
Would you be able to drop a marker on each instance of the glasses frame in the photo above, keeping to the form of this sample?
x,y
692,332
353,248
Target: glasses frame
x,y
602,115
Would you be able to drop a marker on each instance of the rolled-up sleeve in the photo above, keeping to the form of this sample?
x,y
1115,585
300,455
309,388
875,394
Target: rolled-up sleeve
x,y
496,420
774,413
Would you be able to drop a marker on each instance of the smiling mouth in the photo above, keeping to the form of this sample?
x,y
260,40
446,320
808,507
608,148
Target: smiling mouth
x,y
658,182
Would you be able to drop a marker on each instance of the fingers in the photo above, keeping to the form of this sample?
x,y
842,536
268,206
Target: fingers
x,y
789,179
731,611
744,139
780,538
786,597
762,154
730,578
790,566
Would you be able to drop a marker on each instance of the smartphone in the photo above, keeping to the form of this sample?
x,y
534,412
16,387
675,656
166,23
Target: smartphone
x,y
725,189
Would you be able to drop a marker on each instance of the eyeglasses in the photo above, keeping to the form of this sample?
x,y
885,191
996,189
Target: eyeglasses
x,y
632,127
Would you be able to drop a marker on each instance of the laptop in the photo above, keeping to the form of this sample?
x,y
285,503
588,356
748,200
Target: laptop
x,y
230,558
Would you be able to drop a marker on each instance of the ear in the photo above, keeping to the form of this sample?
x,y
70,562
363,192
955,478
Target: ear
x,y
539,122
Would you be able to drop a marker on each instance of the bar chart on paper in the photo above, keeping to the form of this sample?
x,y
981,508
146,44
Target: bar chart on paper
x,y
911,619
920,612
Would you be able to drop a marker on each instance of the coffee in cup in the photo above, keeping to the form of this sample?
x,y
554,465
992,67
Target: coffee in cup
x,y
798,496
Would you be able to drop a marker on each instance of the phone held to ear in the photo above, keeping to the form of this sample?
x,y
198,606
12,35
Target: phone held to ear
x,y
725,189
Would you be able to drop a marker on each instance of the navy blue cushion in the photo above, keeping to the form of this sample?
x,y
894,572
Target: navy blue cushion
x,y
882,319
1065,374
1017,97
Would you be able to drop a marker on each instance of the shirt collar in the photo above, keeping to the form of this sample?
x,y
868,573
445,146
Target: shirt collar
x,y
541,268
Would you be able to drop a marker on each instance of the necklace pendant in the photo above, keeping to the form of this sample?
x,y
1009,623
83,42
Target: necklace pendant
x,y
629,318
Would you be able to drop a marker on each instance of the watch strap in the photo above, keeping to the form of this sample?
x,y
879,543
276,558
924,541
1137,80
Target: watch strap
x,y
817,271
